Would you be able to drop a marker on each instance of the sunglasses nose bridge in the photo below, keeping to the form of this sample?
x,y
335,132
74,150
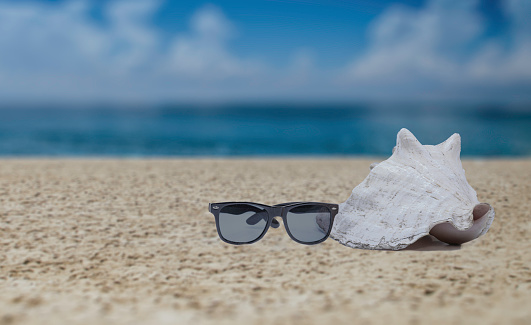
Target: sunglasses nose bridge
x,y
276,212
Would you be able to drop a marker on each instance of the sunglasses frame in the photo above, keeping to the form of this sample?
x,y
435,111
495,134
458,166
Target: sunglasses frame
x,y
273,211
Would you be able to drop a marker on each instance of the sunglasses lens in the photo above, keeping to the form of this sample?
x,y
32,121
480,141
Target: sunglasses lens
x,y
242,223
309,223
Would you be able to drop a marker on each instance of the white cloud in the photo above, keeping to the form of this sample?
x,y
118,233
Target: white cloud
x,y
427,52
413,44
500,65
131,41
202,53
58,52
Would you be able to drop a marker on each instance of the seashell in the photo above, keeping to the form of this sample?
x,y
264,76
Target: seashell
x,y
419,190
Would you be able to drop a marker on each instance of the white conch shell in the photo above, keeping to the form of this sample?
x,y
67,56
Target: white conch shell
x,y
419,190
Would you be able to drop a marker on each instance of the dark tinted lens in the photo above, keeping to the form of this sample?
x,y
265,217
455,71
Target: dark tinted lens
x,y
308,223
242,223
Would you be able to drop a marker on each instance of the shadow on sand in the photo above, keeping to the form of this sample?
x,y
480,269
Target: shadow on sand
x,y
430,243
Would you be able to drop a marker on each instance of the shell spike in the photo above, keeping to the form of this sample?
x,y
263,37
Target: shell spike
x,y
406,142
452,145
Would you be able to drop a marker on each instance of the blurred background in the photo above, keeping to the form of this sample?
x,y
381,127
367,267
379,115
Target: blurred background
x,y
139,78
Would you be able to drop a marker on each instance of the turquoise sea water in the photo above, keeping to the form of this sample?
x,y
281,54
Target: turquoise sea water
x,y
258,130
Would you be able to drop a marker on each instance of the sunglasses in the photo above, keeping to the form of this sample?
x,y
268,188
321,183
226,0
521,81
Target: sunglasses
x,y
241,223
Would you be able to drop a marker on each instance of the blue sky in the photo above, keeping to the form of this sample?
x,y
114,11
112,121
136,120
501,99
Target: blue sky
x,y
334,30
160,51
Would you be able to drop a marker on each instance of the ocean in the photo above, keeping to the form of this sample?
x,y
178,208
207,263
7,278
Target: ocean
x,y
258,130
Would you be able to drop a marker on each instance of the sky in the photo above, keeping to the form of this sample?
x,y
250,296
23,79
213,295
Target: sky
x,y
148,51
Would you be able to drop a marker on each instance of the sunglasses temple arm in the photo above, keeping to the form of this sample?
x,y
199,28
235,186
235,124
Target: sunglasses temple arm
x,y
262,215
255,218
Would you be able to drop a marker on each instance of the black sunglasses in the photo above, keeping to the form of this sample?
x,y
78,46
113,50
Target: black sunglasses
x,y
247,222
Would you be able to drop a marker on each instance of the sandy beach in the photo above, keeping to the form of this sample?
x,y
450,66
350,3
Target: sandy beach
x,y
132,242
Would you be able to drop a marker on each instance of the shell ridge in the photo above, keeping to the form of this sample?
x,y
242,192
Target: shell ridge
x,y
429,179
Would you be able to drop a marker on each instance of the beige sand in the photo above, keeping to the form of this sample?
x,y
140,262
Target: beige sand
x,y
96,242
